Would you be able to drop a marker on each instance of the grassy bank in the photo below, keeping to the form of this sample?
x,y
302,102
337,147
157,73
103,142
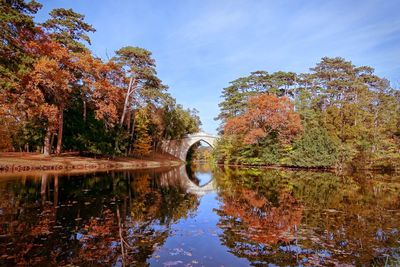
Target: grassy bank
x,y
20,162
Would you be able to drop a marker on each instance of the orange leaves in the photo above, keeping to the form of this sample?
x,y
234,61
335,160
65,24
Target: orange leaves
x,y
101,81
51,77
266,114
265,222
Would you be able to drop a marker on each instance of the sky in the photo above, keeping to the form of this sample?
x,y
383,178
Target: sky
x,y
201,45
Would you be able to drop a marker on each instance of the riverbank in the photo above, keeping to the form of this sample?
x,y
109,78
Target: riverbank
x,y
22,162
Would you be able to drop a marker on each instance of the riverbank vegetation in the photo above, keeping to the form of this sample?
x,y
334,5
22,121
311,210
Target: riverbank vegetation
x,y
336,116
56,95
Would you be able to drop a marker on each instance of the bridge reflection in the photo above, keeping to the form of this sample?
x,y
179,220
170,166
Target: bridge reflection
x,y
179,177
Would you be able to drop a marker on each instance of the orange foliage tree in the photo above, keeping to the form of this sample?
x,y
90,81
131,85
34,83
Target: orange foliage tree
x,y
47,87
266,114
102,84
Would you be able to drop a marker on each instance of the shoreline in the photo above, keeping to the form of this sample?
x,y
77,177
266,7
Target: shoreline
x,y
17,162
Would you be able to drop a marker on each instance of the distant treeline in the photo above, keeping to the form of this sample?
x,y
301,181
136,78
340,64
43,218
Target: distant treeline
x,y
338,115
56,95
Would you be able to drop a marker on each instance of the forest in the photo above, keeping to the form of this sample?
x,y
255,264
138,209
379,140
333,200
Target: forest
x,y
57,96
338,116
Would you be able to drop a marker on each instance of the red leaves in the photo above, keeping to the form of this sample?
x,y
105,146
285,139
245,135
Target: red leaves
x,y
266,114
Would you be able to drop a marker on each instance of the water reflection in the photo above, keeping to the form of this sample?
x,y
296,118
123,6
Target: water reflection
x,y
231,217
199,173
309,218
91,219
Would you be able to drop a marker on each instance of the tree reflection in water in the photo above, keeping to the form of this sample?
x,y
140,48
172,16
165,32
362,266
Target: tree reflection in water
x,y
97,217
260,217
309,218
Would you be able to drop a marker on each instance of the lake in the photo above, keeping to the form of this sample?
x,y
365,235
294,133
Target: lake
x,y
200,216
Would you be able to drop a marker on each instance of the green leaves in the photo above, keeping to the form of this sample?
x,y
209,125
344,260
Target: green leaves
x,y
68,28
350,115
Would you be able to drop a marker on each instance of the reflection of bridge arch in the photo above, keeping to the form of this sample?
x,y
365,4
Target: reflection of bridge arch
x,y
180,148
180,174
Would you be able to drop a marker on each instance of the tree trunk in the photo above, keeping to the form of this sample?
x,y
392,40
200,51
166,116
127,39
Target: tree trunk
x,y
84,110
60,130
128,120
132,132
46,145
128,93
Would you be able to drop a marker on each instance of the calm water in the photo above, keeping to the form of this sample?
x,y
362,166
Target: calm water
x,y
198,217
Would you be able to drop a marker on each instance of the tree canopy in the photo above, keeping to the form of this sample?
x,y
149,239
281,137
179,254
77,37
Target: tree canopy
x,y
57,96
341,115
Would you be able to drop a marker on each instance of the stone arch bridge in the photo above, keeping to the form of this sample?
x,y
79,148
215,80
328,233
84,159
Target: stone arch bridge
x,y
180,148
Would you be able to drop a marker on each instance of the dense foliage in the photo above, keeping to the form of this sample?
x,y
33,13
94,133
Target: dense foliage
x,y
55,95
338,115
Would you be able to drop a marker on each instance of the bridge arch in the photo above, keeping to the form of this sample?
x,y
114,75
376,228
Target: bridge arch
x,y
180,148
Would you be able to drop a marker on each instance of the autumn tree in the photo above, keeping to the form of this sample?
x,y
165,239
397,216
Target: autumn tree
x,y
52,86
69,29
142,145
49,87
16,29
267,114
237,95
349,116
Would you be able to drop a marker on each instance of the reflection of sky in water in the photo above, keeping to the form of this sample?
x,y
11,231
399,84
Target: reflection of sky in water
x,y
204,178
196,240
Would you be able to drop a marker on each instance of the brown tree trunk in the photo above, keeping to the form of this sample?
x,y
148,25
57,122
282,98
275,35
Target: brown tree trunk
x,y
132,132
84,110
60,130
46,148
128,120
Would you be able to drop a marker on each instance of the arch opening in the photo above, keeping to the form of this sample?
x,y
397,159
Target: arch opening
x,y
197,163
179,148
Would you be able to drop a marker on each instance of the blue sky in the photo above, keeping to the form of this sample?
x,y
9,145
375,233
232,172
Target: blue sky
x,y
201,45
